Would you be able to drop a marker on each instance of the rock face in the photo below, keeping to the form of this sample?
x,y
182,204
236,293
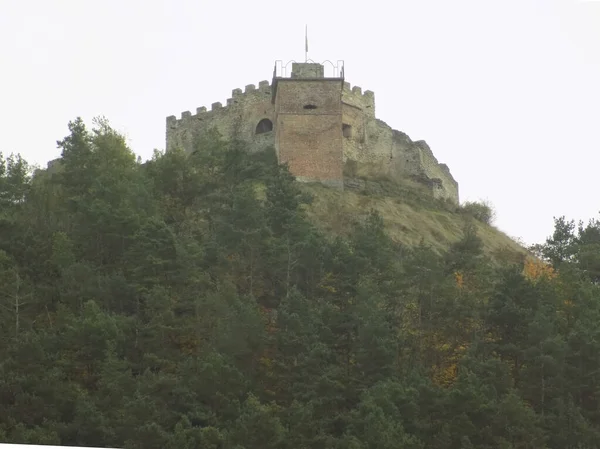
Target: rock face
x,y
324,128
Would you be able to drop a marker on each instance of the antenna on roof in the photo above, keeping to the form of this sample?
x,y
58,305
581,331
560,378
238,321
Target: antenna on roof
x,y
306,43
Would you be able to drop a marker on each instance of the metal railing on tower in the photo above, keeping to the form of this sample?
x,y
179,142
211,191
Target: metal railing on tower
x,y
331,69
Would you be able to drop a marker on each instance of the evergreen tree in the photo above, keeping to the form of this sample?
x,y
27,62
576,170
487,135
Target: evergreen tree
x,y
191,302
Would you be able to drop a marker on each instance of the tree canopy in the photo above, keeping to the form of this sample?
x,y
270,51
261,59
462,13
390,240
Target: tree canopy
x,y
188,302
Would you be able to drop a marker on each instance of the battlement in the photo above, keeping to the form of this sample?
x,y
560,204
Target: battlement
x,y
354,96
237,96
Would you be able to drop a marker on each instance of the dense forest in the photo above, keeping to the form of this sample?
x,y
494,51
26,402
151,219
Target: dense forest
x,y
188,302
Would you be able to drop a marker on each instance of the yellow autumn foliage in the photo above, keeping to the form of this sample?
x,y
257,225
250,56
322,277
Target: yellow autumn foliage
x,y
326,283
459,279
445,373
535,270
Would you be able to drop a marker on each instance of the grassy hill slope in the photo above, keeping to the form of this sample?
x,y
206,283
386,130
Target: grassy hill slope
x,y
410,214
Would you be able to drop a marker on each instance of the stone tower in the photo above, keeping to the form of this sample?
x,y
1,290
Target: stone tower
x,y
308,124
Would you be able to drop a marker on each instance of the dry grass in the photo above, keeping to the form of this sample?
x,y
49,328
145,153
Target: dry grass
x,y
408,219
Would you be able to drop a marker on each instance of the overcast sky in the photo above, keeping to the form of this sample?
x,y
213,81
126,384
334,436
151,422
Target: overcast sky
x,y
507,93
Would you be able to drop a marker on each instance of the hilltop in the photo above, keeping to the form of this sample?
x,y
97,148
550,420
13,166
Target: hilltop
x,y
209,300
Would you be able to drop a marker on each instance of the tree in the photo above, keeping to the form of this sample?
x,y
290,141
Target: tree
x,y
191,302
15,292
15,179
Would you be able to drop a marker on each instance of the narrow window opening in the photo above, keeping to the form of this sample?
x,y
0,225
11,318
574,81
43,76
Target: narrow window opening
x,y
264,126
310,106
346,130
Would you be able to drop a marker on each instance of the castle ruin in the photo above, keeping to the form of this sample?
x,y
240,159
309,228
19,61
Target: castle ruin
x,y
324,129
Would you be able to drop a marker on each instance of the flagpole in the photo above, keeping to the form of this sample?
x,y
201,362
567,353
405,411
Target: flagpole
x,y
306,43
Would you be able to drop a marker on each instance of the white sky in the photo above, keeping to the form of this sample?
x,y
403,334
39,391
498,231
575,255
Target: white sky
x,y
506,92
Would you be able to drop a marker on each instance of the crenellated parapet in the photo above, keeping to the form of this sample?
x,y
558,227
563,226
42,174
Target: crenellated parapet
x,y
354,96
237,96
238,114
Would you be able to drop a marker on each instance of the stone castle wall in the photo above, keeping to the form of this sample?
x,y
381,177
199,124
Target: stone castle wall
x,y
373,149
369,147
237,118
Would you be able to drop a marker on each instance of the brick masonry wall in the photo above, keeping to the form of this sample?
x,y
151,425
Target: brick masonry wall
x,y
310,140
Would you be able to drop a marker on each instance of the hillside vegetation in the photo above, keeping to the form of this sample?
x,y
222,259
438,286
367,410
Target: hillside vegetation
x,y
211,302
409,218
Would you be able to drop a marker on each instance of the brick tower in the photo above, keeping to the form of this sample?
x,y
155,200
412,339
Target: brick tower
x,y
308,124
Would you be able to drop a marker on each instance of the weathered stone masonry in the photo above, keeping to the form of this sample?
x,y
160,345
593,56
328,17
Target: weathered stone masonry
x,y
322,127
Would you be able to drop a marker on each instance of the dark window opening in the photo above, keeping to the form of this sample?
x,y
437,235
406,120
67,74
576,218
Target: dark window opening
x,y
310,106
347,130
264,126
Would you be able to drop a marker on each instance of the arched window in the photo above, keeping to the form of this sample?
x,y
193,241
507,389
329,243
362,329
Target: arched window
x,y
264,126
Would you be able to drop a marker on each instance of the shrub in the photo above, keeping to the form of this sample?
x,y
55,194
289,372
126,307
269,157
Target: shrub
x,y
480,210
